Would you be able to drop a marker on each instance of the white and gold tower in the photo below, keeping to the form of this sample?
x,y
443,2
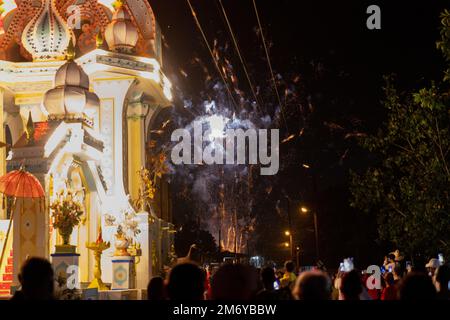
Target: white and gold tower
x,y
90,114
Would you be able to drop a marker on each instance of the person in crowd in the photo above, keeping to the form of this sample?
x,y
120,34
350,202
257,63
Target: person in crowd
x,y
289,277
234,282
373,293
390,289
398,257
442,282
186,283
417,286
156,289
337,280
37,281
397,273
312,286
207,282
260,285
351,286
432,266
389,262
268,280
279,274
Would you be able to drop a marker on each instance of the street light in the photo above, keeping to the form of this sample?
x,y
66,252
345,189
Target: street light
x,y
290,244
304,209
288,233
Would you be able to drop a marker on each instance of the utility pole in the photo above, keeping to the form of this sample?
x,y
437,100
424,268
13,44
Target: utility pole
x,y
315,206
298,257
291,239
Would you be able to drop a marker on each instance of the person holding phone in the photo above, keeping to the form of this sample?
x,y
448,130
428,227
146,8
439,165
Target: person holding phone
x,y
432,266
389,262
442,282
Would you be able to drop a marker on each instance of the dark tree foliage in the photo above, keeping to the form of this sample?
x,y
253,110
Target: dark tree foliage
x,y
408,186
191,233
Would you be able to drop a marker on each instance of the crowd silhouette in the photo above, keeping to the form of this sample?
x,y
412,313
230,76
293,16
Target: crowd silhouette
x,y
187,281
36,280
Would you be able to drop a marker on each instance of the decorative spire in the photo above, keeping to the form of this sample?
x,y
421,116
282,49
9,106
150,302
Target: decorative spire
x,y
47,36
117,4
29,130
99,39
70,55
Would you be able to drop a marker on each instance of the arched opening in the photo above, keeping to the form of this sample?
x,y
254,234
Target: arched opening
x,y
7,201
8,140
159,132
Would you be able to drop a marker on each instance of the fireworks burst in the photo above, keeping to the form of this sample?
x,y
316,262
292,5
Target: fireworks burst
x,y
225,196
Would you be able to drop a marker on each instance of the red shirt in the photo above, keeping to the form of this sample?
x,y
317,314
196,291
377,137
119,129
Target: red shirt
x,y
389,293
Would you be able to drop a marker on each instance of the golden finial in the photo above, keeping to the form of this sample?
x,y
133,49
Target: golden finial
x,y
70,55
118,3
99,39
29,130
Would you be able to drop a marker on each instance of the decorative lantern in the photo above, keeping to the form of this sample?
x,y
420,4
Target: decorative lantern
x,y
71,94
121,34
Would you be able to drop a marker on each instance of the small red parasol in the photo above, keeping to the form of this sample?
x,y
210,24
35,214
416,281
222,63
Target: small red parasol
x,y
21,184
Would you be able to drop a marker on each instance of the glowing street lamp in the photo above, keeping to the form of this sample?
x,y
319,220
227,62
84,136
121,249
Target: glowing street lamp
x,y
288,232
304,209
289,244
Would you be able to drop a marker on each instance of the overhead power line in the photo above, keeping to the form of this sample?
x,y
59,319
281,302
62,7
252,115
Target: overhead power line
x,y
236,45
270,64
199,26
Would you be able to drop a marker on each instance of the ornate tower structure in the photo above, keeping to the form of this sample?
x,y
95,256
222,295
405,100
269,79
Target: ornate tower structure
x,y
90,115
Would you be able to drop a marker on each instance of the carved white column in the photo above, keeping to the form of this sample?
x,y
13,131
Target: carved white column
x,y
136,114
112,94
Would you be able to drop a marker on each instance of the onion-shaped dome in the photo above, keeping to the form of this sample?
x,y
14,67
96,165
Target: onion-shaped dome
x,y
121,34
47,35
70,74
69,101
71,94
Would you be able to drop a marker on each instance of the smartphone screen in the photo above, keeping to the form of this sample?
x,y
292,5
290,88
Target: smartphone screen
x,y
276,285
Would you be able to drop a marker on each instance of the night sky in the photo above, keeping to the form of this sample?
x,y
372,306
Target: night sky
x,y
334,34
